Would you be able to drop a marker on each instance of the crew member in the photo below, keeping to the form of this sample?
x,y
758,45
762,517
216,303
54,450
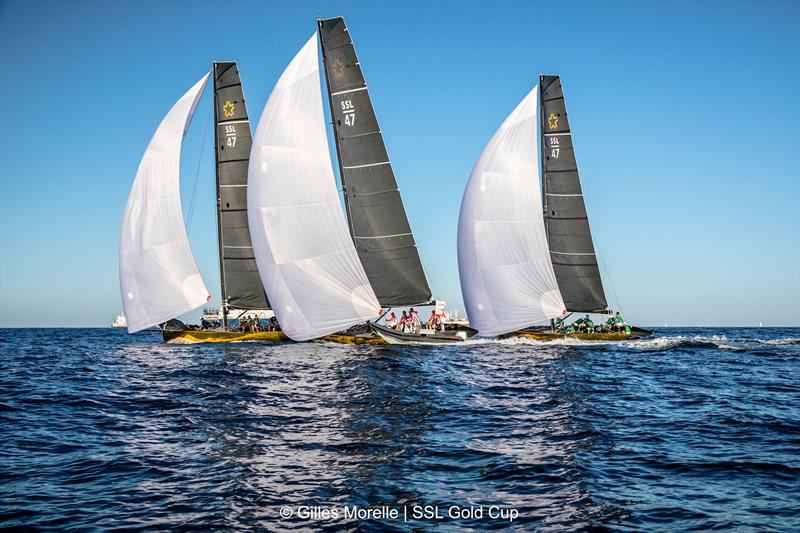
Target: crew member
x,y
619,322
584,325
433,321
414,320
403,322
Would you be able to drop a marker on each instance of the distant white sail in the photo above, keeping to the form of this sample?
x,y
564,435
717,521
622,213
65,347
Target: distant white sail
x,y
305,256
507,279
158,275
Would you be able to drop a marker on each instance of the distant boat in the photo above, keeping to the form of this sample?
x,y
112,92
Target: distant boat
x,y
120,322
525,250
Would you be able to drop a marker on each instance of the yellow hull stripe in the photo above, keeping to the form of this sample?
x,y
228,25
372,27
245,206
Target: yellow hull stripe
x,y
191,336
194,336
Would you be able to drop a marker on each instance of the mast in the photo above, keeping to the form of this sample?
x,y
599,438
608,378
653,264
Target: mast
x,y
568,234
542,154
376,216
239,279
541,173
335,137
223,294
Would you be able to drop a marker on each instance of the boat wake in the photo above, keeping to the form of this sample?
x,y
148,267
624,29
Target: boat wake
x,y
654,344
780,342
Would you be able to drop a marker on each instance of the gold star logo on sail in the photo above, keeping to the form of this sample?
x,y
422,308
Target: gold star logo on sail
x,y
228,109
552,121
338,69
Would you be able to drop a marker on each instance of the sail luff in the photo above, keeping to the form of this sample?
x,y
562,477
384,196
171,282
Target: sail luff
x,y
159,278
568,233
507,279
305,256
377,218
240,282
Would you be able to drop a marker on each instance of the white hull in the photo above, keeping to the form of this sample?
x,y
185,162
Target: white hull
x,y
396,337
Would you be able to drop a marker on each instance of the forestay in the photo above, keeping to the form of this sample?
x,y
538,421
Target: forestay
x,y
158,275
571,248
506,277
378,222
305,256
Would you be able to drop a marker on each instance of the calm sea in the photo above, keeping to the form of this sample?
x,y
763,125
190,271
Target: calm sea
x,y
691,430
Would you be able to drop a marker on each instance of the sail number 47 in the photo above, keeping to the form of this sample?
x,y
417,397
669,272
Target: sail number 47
x,y
555,148
230,135
349,112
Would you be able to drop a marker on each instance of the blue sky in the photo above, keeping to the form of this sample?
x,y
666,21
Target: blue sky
x,y
686,120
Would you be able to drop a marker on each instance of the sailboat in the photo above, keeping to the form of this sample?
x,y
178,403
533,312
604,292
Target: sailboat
x,y
326,274
525,249
159,277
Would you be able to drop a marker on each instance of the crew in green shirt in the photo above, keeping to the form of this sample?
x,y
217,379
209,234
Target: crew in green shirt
x,y
584,325
619,322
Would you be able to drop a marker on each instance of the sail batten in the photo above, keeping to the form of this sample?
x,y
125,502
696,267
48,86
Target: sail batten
x,y
507,279
241,283
305,256
569,236
158,274
372,198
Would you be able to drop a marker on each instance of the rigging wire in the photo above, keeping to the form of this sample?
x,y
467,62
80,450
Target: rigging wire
x,y
428,278
610,282
197,175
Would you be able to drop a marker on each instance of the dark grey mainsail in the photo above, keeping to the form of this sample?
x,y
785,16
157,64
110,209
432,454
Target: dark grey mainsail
x,y
378,222
568,234
241,284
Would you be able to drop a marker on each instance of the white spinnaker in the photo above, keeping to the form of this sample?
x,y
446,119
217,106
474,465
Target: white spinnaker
x,y
158,276
507,278
305,256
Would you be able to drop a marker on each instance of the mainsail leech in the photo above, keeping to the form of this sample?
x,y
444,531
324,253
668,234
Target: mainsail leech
x,y
568,234
507,279
305,255
241,284
378,222
158,275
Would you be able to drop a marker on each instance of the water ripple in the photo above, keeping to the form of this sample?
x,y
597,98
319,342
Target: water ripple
x,y
691,429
